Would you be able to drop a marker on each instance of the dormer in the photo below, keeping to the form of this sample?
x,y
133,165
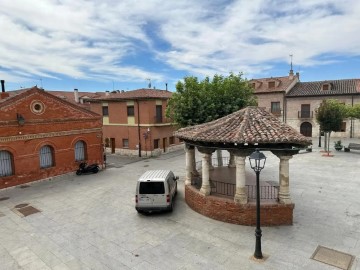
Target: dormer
x,y
255,84
273,83
326,86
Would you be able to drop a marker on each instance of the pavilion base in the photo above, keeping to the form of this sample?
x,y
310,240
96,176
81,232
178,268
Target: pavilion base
x,y
226,210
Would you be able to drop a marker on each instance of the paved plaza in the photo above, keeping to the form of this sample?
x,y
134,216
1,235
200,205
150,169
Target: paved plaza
x,y
89,221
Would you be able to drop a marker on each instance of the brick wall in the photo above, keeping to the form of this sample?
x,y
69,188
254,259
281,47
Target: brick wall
x,y
227,211
60,126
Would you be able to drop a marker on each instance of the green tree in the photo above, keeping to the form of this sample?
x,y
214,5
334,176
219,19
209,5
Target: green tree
x,y
196,102
330,116
353,111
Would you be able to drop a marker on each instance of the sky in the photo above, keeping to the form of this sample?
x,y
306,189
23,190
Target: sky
x,y
98,45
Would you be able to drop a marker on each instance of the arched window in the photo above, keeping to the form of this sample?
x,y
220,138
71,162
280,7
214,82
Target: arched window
x,y
80,150
46,156
6,168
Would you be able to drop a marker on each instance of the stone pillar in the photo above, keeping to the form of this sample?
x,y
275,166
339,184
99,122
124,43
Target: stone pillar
x,y
193,162
231,160
205,176
211,167
188,151
284,192
240,190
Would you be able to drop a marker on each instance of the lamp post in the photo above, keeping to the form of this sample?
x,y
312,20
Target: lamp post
x,y
257,163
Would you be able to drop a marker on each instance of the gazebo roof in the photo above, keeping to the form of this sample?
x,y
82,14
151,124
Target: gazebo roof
x,y
247,127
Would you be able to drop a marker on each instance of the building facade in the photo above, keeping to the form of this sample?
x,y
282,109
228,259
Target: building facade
x,y
134,122
296,102
42,136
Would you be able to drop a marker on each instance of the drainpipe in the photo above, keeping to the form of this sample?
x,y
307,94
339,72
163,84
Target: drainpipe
x,y
139,135
351,119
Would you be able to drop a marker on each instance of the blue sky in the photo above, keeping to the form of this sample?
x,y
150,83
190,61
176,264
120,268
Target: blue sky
x,y
104,45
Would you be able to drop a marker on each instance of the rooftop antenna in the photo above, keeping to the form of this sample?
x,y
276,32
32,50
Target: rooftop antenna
x,y
291,57
41,85
149,85
113,85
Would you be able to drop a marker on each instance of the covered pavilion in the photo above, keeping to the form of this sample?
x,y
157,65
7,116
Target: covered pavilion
x,y
240,133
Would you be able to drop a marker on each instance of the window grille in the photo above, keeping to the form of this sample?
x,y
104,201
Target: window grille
x,y
5,163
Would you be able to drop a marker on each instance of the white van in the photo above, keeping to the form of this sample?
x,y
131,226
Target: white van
x,y
155,191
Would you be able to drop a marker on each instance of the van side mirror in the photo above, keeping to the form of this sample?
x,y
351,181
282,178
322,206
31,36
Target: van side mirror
x,y
176,178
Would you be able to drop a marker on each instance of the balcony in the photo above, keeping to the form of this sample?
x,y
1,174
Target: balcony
x,y
276,112
161,120
305,114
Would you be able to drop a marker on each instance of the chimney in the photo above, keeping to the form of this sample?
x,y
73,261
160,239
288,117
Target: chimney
x,y
107,93
166,86
291,74
76,95
298,75
3,94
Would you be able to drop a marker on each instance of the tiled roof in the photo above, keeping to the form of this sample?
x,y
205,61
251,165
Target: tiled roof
x,y
337,87
281,84
19,94
250,125
136,94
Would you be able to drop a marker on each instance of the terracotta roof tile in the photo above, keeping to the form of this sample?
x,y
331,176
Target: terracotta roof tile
x,y
281,84
250,125
136,94
338,87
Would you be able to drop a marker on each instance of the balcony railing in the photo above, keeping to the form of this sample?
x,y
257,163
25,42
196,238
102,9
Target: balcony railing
x,y
160,119
305,114
275,112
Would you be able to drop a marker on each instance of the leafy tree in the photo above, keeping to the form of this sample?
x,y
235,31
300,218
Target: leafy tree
x,y
330,116
353,111
196,102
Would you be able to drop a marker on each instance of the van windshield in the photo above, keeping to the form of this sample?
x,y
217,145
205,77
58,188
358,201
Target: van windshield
x,y
152,188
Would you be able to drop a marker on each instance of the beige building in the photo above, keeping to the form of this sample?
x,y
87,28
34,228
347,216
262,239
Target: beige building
x,y
296,102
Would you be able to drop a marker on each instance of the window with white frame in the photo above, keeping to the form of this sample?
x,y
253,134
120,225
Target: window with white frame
x,y
46,157
80,151
6,168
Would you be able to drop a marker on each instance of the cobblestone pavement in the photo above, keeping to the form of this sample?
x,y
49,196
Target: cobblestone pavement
x,y
89,221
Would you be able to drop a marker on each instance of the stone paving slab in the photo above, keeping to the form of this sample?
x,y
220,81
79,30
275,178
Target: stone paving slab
x,y
89,221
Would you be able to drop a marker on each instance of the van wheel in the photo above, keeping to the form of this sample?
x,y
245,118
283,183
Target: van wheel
x,y
139,211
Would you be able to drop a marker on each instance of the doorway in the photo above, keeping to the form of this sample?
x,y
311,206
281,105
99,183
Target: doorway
x,y
164,144
306,129
112,142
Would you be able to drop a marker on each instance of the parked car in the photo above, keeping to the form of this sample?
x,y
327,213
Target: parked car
x,y
155,191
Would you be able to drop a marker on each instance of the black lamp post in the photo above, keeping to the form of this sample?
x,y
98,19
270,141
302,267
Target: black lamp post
x,y
257,163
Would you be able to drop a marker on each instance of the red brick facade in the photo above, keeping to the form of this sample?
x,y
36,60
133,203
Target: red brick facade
x,y
147,127
227,211
48,121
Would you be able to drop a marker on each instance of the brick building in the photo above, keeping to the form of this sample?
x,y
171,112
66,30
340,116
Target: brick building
x,y
42,136
134,121
295,102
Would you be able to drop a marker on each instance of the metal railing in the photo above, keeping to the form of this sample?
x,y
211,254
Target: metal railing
x,y
305,114
266,192
270,192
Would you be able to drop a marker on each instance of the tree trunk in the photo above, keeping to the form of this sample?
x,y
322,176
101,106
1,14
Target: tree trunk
x,y
325,140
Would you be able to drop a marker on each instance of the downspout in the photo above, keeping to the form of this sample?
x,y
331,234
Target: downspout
x,y
284,107
138,120
351,119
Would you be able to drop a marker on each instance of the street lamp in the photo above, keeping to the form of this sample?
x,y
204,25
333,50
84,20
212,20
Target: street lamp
x,y
257,163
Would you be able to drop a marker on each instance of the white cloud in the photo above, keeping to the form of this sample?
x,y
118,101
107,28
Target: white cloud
x,y
90,39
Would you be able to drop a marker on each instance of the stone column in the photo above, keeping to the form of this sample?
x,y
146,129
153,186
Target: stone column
x,y
240,191
205,186
189,150
284,192
231,160
193,162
